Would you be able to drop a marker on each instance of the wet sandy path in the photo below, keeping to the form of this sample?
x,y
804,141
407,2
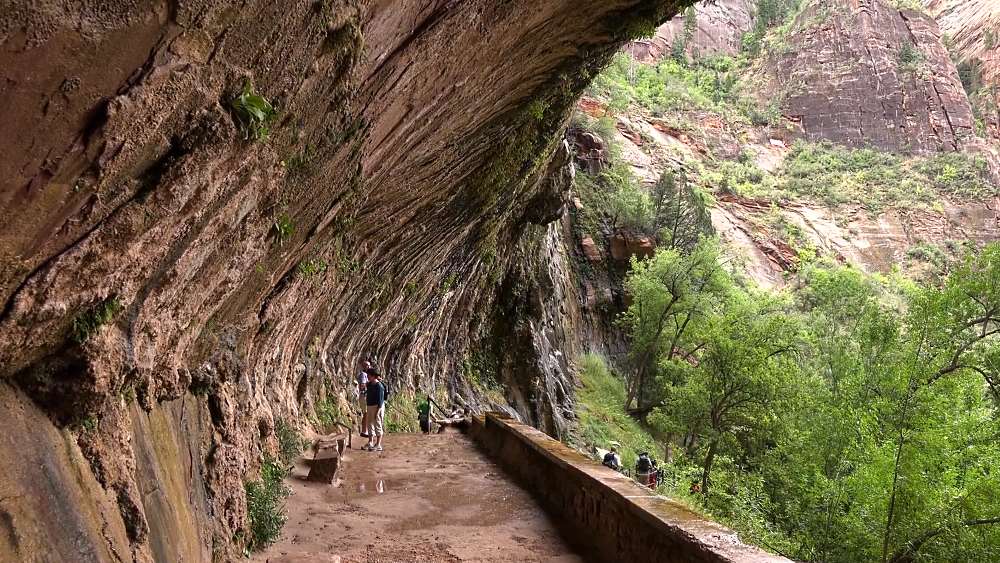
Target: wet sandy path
x,y
426,498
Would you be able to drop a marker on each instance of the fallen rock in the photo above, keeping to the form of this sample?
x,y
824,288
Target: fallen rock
x,y
590,151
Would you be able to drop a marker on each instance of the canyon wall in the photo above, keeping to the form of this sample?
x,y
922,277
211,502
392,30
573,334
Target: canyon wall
x,y
176,274
972,30
867,74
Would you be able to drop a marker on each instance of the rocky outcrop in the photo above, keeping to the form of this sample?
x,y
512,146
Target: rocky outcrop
x,y
863,73
716,28
151,246
589,150
625,245
972,28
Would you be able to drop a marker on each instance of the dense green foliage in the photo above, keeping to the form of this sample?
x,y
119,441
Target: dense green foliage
x,y
848,418
851,419
769,13
708,84
674,210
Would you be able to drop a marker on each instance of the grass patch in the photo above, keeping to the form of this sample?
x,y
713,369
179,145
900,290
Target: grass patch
x,y
266,505
602,415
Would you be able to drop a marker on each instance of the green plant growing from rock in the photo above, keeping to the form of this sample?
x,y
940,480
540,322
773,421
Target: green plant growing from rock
x,y
289,441
253,112
449,283
283,228
266,505
89,423
312,267
85,324
299,163
910,58
326,413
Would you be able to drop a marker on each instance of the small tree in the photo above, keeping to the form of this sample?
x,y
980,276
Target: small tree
x,y
745,367
680,212
671,293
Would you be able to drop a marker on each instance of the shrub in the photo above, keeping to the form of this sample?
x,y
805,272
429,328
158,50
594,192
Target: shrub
x,y
265,505
910,57
87,323
289,441
628,204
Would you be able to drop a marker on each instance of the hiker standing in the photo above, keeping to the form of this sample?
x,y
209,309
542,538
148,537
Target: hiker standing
x,y
362,380
375,395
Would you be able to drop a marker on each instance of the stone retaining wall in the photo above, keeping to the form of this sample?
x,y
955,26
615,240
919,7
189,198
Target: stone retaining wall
x,y
607,514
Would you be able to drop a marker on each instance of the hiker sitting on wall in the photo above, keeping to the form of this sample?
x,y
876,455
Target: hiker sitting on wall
x,y
645,470
612,460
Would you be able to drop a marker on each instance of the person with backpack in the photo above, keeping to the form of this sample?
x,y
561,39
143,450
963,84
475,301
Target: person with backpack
x,y
645,470
612,460
376,396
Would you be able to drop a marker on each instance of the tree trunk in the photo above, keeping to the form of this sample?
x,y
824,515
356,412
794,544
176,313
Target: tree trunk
x,y
709,459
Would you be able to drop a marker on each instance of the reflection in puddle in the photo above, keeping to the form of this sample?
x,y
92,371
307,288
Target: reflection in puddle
x,y
378,487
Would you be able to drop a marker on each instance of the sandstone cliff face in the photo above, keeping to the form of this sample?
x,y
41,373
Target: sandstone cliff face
x,y
863,73
973,31
718,28
149,248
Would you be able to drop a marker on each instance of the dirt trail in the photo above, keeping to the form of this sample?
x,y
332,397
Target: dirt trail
x,y
425,498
